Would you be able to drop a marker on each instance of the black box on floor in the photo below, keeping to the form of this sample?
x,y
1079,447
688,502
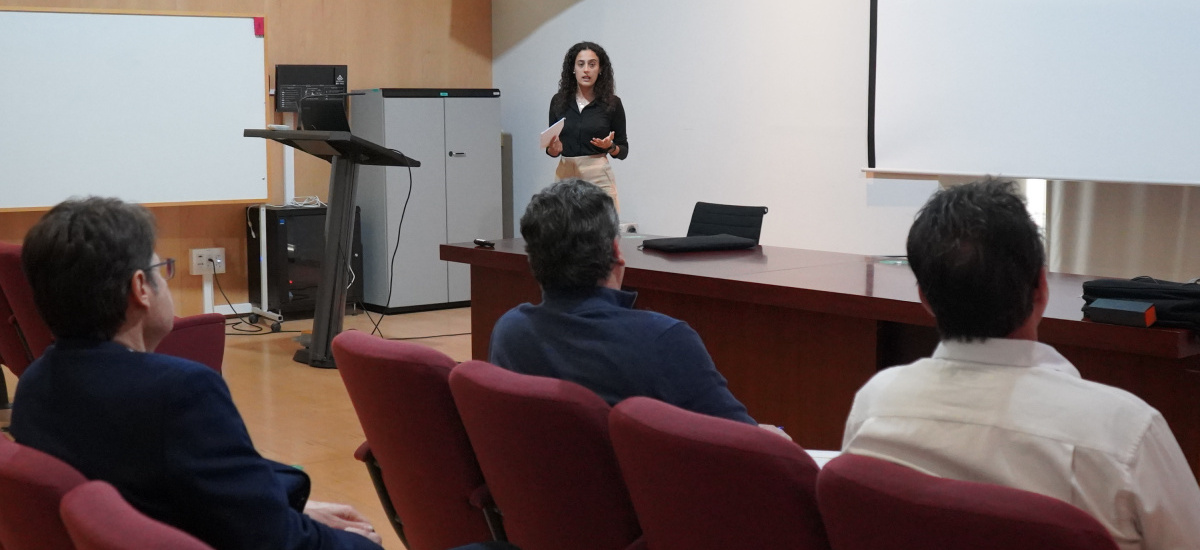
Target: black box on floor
x,y
295,246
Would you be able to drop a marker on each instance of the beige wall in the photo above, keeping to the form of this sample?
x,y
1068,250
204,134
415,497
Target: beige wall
x,y
385,43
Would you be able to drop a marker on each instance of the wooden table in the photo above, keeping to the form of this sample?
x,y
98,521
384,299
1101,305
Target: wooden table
x,y
797,332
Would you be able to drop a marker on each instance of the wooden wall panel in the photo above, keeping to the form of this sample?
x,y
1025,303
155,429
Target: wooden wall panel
x,y
385,43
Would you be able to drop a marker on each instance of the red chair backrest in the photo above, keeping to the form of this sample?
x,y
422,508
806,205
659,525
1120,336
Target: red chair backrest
x,y
703,482
12,345
20,298
32,484
869,503
544,447
401,392
97,518
200,338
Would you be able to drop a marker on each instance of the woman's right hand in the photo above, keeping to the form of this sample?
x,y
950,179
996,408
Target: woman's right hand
x,y
555,148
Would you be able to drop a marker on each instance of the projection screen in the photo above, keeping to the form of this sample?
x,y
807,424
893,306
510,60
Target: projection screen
x,y
1102,90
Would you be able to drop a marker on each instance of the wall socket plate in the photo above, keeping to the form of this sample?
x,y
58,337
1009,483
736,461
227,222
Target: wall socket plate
x,y
630,227
200,257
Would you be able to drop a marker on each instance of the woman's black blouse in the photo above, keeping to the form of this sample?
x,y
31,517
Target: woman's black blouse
x,y
595,121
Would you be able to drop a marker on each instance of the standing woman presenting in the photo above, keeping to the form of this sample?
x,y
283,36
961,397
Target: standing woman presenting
x,y
595,125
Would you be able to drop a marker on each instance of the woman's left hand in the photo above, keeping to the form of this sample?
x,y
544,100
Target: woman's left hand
x,y
604,144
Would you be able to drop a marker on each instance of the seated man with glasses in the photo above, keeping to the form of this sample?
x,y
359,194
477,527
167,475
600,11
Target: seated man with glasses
x,y
162,429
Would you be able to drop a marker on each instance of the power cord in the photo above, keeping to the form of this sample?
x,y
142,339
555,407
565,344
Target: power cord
x,y
392,263
434,336
373,321
241,320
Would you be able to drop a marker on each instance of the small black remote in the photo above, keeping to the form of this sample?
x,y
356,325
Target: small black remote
x,y
485,243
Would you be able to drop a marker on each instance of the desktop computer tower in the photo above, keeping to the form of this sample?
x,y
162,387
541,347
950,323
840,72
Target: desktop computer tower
x,y
295,247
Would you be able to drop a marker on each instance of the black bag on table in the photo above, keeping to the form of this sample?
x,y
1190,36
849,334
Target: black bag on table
x,y
1177,304
697,243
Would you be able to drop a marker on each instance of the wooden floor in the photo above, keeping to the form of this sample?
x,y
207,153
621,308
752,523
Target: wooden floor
x,y
301,415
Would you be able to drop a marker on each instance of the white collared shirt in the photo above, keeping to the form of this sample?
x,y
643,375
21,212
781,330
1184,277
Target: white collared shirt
x,y
1017,413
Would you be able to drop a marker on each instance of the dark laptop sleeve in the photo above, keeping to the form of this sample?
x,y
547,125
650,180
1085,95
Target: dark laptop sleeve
x,y
698,243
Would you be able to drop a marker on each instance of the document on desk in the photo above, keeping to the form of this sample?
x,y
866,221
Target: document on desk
x,y
552,132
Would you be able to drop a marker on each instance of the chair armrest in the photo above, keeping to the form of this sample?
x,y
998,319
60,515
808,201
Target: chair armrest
x,y
13,350
363,453
200,338
481,498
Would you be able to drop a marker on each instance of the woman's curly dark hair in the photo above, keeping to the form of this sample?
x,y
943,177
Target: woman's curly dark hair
x,y
605,87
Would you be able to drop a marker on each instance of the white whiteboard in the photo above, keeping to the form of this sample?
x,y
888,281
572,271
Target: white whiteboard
x,y
148,108
1061,89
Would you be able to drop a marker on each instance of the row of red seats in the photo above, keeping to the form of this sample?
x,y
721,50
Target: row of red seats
x,y
45,504
24,336
564,471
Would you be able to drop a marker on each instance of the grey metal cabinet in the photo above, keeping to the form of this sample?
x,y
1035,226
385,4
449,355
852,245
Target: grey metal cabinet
x,y
455,193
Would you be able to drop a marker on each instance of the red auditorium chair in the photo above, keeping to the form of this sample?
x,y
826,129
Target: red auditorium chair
x,y
200,338
701,482
97,518
545,452
869,503
12,345
12,350
32,484
416,451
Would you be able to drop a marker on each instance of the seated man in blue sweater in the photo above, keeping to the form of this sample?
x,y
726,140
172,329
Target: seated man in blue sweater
x,y
586,330
163,430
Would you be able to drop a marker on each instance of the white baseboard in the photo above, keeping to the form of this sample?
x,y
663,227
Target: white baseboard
x,y
241,309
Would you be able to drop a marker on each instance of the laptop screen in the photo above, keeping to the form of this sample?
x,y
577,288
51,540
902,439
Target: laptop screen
x,y
326,114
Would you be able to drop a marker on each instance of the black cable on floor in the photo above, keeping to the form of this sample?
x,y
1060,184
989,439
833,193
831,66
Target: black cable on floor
x,y
241,321
392,263
434,336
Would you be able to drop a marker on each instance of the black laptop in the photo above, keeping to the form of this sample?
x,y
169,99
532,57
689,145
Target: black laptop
x,y
324,113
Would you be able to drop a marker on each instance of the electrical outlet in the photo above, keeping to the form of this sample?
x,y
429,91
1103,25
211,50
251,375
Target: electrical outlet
x,y
630,227
200,260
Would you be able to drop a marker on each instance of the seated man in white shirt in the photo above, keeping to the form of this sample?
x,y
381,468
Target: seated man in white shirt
x,y
994,405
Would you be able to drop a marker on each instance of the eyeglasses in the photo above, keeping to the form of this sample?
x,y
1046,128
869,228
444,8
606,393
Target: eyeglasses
x,y
168,271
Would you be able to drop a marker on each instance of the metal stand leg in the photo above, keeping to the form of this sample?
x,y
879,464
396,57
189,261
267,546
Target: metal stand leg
x,y
331,291
263,273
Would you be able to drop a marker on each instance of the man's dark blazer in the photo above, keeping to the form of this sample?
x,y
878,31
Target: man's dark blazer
x,y
166,433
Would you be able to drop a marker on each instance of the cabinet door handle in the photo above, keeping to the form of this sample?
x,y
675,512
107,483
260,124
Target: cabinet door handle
x,y
458,154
